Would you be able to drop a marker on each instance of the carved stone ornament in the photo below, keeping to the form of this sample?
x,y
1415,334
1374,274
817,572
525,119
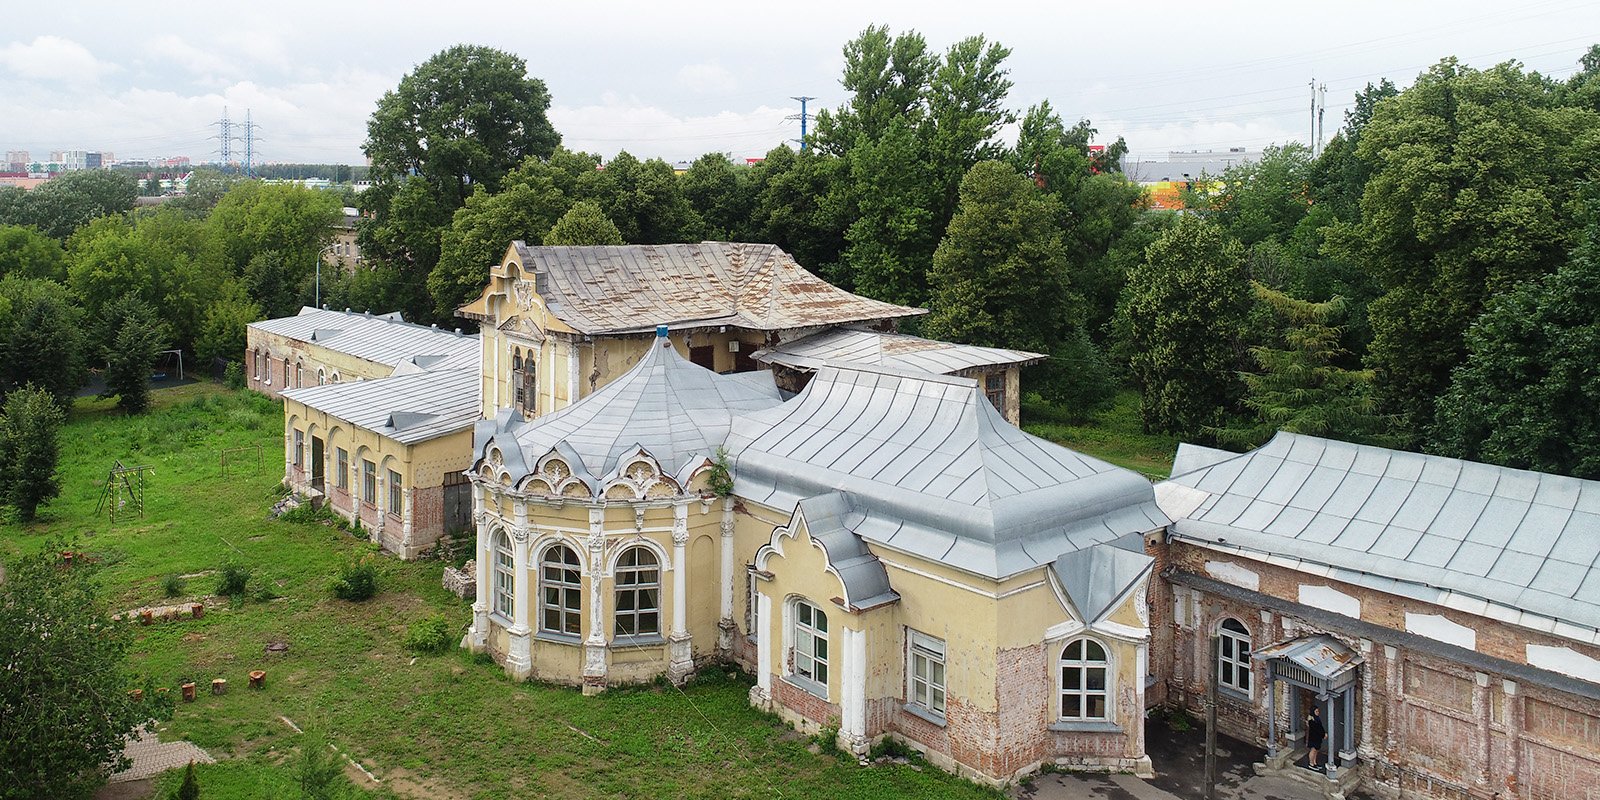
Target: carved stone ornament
x,y
522,291
519,534
1141,603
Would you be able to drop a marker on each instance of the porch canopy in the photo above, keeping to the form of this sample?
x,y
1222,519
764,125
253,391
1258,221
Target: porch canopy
x,y
1319,663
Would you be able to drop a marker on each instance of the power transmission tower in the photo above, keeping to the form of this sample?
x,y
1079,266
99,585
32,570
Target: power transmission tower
x,y
249,145
224,138
804,119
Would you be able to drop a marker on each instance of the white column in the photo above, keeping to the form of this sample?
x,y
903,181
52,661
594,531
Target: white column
x,y
1142,766
679,643
408,497
478,637
519,655
725,626
761,693
853,690
573,371
594,648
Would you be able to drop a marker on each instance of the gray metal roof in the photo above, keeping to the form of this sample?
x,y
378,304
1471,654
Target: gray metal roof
x,y
1451,532
1096,577
935,470
406,408
1321,655
381,338
895,350
632,288
675,410
829,518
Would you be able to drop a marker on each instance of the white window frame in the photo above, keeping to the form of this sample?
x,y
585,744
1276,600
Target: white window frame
x,y
505,578
1233,658
396,494
637,591
569,593
1080,670
343,458
369,482
925,673
810,656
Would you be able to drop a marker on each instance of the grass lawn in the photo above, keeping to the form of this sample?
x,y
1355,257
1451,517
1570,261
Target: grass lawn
x,y
1114,434
448,726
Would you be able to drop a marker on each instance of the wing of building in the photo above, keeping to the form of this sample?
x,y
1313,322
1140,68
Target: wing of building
x,y
1444,614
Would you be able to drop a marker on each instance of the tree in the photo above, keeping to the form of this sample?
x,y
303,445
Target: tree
x,y
887,79
897,226
644,200
110,259
66,695
66,203
462,119
28,450
1179,321
1528,395
205,188
190,788
721,195
482,230
139,339
794,208
1473,191
26,253
1301,387
43,344
1264,200
222,333
583,224
255,217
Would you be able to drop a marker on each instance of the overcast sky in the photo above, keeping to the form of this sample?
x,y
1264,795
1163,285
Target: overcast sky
x,y
678,79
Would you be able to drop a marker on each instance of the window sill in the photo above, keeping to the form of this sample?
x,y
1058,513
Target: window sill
x,y
1085,726
806,685
558,638
1232,693
925,714
645,640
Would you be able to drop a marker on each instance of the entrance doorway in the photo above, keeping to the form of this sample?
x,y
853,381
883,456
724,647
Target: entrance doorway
x,y
316,465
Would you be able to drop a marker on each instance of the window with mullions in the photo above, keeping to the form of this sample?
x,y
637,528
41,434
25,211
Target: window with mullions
x,y
396,495
369,482
1233,655
811,644
638,580
504,576
1083,681
344,468
560,592
926,673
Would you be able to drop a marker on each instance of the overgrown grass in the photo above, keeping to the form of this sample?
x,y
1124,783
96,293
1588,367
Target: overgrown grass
x,y
1115,434
450,726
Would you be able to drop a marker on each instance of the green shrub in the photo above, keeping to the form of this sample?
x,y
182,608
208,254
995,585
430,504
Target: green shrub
x,y
430,635
233,375
890,747
234,578
173,586
356,582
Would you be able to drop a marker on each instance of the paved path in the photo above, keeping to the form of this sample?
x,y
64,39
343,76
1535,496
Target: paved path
x,y
151,756
1127,787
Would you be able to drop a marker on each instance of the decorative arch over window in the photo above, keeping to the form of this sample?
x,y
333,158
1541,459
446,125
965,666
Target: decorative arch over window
x,y
1233,655
1085,681
638,592
560,591
504,575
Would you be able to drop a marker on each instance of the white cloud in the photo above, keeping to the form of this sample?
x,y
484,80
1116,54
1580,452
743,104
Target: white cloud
x,y
53,58
650,131
706,78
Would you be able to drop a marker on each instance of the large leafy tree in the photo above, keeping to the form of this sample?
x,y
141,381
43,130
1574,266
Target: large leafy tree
x,y
66,700
462,119
721,194
110,259
26,253
29,450
583,224
222,333
1473,191
1300,385
43,343
480,232
67,203
139,338
1528,393
644,199
794,208
255,217
1179,320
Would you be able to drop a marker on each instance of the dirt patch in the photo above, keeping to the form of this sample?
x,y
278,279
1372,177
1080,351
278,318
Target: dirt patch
x,y
127,790
406,784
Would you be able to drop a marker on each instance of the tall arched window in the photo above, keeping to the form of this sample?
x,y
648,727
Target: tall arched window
x,y
322,376
1233,655
525,383
504,576
286,372
560,591
638,579
1084,671
255,364
299,375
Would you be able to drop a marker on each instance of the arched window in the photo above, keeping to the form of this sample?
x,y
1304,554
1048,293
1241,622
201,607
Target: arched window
x,y
255,364
560,591
810,636
286,372
299,375
638,579
1233,655
1084,671
322,376
524,383
504,576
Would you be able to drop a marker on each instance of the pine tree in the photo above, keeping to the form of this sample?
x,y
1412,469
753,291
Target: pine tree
x,y
190,789
138,339
29,450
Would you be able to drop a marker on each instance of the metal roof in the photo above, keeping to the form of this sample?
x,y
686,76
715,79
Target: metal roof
x,y
875,348
380,338
1321,655
406,408
1450,532
675,410
1096,577
829,518
609,290
935,471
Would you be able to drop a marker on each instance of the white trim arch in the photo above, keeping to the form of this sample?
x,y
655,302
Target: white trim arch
x,y
1075,679
617,548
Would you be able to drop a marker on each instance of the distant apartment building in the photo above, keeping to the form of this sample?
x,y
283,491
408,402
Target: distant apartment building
x,y
1167,180
17,161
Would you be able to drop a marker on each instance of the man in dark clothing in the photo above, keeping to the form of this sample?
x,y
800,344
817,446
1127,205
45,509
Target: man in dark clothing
x,y
1315,734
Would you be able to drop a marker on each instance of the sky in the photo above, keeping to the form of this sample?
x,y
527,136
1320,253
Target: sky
x,y
675,80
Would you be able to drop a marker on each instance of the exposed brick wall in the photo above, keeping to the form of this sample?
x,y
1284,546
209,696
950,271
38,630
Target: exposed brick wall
x,y
803,703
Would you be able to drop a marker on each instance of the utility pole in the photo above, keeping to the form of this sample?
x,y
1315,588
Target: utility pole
x,y
249,145
1322,108
1313,132
1211,726
804,118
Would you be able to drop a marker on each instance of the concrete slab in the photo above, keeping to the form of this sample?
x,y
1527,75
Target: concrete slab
x,y
151,756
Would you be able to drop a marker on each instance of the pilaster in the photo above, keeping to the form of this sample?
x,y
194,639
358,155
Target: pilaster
x,y
478,637
679,644
594,647
725,626
519,647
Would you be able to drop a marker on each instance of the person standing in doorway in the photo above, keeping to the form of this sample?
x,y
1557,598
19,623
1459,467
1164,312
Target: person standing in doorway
x,y
1315,735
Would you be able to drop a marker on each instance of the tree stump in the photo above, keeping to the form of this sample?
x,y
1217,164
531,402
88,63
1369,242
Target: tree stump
x,y
147,616
188,692
258,678
197,610
219,686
